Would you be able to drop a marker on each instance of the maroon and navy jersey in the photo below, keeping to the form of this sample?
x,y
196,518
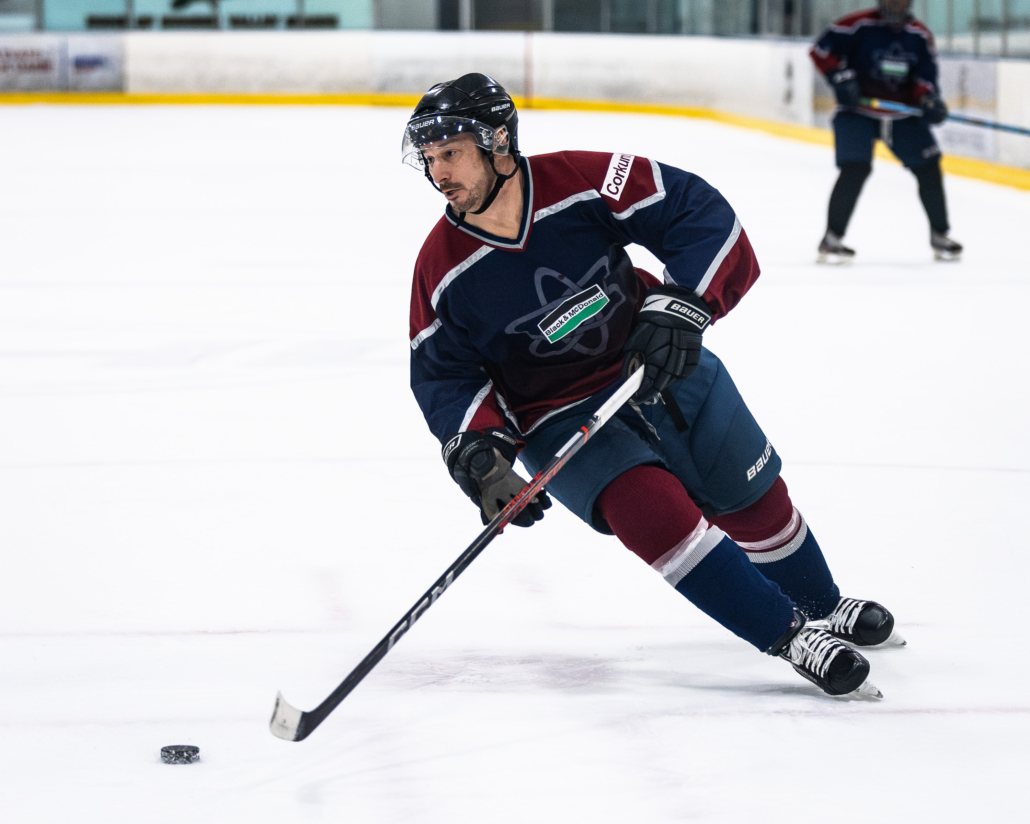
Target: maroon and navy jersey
x,y
896,63
507,332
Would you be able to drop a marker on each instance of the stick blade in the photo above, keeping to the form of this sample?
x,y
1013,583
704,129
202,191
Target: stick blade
x,y
286,720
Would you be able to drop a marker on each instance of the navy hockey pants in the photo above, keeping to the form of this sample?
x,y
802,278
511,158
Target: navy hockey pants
x,y
909,138
723,459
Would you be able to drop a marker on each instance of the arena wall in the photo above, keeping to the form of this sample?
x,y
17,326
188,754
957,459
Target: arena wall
x,y
758,78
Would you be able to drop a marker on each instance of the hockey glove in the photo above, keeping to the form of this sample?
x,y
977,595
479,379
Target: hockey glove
x,y
934,109
846,88
480,463
666,339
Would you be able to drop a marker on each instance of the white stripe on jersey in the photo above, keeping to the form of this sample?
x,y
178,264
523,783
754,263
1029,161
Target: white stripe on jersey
x,y
476,403
547,211
719,258
647,201
425,333
476,256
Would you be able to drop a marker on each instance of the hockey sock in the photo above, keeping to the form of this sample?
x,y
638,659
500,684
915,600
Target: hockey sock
x,y
931,192
845,195
652,514
717,578
778,541
649,511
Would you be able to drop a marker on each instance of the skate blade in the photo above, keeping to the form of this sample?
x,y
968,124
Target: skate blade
x,y
830,259
947,257
895,640
867,690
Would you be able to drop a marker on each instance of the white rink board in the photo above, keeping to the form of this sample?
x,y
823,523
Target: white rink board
x,y
216,485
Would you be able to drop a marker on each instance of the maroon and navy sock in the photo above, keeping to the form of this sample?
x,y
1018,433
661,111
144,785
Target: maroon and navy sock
x,y
776,538
651,513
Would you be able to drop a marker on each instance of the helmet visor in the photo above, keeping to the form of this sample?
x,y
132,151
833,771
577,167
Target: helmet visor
x,y
435,130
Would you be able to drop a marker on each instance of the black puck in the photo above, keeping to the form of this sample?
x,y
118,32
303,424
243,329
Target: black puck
x,y
180,754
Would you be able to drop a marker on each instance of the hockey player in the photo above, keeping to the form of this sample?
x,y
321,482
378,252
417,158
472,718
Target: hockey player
x,y
886,54
525,313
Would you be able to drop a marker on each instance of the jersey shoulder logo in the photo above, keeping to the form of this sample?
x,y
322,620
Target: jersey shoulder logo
x,y
618,174
572,313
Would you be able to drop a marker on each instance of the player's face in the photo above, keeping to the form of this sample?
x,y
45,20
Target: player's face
x,y
895,7
458,167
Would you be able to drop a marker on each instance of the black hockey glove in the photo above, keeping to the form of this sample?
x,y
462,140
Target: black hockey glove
x,y
934,109
846,88
666,339
480,463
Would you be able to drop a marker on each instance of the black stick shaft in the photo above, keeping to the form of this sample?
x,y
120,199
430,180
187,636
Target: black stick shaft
x,y
310,720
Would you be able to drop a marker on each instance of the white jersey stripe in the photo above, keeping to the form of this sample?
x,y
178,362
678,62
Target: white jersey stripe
x,y
476,403
647,201
425,333
478,255
719,258
554,412
547,211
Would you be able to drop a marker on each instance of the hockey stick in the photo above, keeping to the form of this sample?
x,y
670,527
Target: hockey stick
x,y
292,724
901,108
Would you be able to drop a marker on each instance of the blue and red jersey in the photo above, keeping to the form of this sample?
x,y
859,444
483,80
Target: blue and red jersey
x,y
507,332
892,62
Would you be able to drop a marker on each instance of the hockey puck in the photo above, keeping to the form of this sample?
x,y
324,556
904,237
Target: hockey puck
x,y
180,754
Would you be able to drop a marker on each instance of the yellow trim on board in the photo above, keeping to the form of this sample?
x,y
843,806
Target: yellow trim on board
x,y
960,166
808,134
990,172
207,99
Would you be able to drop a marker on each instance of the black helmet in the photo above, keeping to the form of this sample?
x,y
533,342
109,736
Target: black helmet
x,y
474,104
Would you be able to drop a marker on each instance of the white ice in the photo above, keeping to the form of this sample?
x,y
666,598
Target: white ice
x,y
215,484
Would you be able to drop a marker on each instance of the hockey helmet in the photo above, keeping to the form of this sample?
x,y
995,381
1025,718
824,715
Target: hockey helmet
x,y
474,104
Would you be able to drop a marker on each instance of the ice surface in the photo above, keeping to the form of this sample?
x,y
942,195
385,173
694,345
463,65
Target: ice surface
x,y
215,484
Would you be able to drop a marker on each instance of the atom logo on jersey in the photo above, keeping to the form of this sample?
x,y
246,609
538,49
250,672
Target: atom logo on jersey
x,y
618,174
572,313
893,65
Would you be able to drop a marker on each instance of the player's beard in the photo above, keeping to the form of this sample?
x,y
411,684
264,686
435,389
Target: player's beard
x,y
474,194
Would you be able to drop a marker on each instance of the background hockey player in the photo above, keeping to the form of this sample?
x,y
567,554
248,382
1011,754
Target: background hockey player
x,y
525,313
885,54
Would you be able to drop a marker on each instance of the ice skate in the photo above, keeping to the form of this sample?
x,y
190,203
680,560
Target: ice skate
x,y
861,623
833,252
944,248
831,665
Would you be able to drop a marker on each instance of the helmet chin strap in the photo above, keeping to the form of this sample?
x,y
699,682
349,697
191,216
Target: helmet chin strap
x,y
499,181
